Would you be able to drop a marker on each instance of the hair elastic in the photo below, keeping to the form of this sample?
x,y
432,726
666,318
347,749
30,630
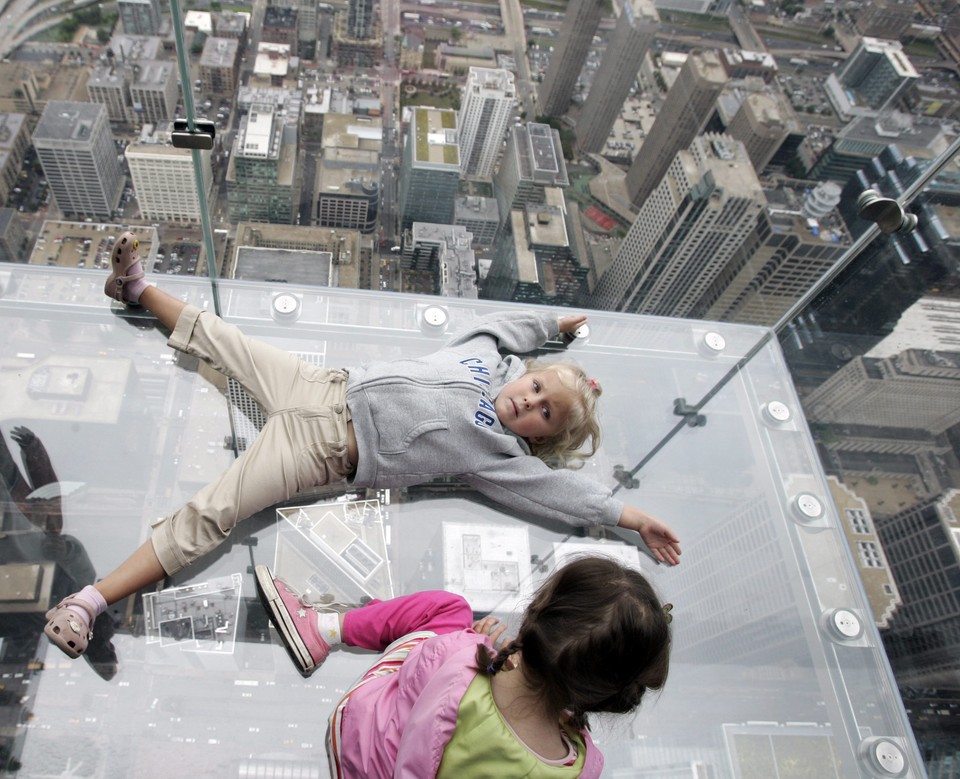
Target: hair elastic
x,y
594,384
491,670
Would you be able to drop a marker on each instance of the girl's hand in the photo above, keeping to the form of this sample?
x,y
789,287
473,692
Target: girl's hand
x,y
570,324
488,626
657,535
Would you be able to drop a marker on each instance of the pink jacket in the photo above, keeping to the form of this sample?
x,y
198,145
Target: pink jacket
x,y
399,724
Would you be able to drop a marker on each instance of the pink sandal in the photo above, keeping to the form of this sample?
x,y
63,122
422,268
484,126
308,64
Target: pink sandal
x,y
122,258
64,629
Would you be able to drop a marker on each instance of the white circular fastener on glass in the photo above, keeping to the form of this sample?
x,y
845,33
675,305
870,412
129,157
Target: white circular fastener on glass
x,y
777,412
285,305
808,506
846,624
885,757
434,316
714,342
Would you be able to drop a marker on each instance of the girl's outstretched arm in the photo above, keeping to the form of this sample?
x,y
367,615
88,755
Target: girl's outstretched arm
x,y
657,535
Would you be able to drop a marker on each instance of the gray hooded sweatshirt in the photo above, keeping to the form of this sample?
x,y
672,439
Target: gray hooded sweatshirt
x,y
433,416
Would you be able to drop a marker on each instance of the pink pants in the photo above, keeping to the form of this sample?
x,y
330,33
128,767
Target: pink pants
x,y
380,623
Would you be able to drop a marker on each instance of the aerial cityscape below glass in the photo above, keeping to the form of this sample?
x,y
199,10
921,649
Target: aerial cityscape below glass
x,y
757,203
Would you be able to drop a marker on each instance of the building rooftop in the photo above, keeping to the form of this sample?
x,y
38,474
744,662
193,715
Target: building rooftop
x,y
352,131
258,263
434,132
132,48
67,121
219,52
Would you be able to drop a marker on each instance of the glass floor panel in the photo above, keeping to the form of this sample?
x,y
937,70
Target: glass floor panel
x,y
777,666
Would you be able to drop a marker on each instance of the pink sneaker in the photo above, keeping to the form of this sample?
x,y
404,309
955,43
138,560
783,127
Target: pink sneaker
x,y
294,619
126,273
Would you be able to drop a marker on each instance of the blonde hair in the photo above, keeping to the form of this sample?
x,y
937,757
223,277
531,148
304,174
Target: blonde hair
x,y
565,449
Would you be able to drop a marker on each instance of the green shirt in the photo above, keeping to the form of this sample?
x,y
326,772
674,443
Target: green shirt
x,y
484,745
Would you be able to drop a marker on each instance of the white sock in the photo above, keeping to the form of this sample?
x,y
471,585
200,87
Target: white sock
x,y
328,623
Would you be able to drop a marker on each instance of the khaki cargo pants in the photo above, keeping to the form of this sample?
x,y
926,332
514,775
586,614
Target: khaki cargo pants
x,y
303,443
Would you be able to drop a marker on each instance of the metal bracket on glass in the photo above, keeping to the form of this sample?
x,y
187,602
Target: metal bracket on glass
x,y
690,414
886,212
626,479
200,137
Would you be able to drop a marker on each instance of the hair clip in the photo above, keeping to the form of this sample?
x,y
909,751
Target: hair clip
x,y
594,384
667,608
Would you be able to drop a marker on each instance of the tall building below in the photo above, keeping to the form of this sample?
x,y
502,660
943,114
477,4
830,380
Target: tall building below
x,y
14,143
540,260
688,231
742,64
350,50
923,641
917,388
350,254
865,138
762,125
532,161
445,251
13,238
685,112
797,237
348,174
430,174
164,178
888,19
280,25
487,105
140,17
580,22
875,74
480,217
361,18
219,66
263,181
631,39
76,149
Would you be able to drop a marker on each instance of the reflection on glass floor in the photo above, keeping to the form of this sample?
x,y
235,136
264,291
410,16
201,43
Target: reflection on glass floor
x,y
777,663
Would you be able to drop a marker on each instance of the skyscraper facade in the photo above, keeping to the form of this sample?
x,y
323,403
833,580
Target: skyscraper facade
x,y
798,236
632,37
532,161
688,230
140,17
761,125
685,112
874,75
164,179
430,173
75,147
541,259
262,176
569,54
488,100
923,642
917,388
360,18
